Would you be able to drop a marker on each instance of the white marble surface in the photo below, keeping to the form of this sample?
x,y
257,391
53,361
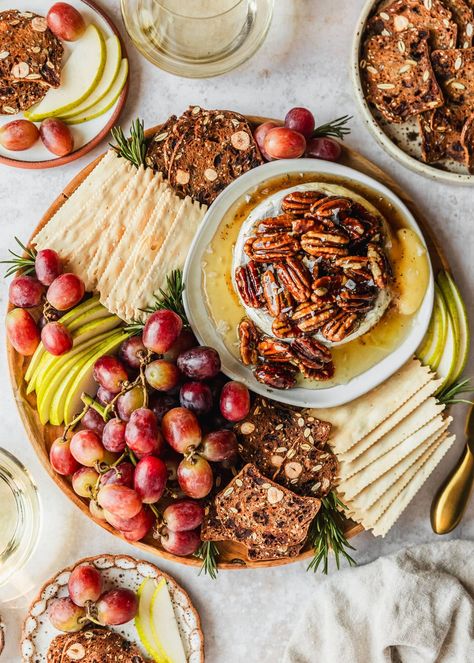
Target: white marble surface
x,y
246,615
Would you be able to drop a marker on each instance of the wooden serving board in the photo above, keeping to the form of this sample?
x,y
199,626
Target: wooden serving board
x,y
232,556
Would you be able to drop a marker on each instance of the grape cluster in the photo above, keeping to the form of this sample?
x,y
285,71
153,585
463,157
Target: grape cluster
x,y
88,602
166,411
59,292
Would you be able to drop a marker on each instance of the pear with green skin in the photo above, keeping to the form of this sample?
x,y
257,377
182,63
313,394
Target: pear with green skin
x,y
460,326
143,621
432,347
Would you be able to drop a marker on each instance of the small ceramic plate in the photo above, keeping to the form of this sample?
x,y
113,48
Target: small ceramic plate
x,y
401,141
205,329
86,135
117,571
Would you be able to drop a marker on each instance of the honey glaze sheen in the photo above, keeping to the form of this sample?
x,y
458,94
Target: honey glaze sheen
x,y
408,258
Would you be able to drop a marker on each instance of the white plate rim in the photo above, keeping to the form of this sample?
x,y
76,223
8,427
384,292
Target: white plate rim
x,y
233,368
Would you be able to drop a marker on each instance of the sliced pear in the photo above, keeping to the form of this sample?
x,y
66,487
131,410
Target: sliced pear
x,y
165,626
90,315
112,66
143,622
458,314
448,361
79,77
84,382
432,347
107,102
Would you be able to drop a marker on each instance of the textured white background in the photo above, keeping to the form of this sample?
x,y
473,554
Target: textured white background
x,y
246,615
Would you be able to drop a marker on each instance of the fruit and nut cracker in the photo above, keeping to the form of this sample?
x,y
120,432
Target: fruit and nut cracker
x,y
94,645
16,97
289,446
399,78
463,16
454,70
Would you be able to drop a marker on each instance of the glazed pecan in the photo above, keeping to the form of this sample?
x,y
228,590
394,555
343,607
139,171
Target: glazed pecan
x,y
332,207
283,328
275,351
275,224
271,294
271,247
371,223
326,372
325,244
357,263
325,288
295,277
306,224
247,279
378,265
299,202
249,337
309,317
339,327
354,300
310,353
279,376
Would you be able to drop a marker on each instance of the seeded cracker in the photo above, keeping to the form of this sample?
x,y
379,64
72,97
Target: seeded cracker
x,y
94,645
467,141
440,132
289,446
454,70
399,78
155,157
430,15
16,97
463,16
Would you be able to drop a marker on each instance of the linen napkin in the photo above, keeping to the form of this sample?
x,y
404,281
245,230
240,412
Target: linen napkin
x,y
416,606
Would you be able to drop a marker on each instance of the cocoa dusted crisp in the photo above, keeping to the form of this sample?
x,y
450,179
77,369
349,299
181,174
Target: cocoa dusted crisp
x,y
95,645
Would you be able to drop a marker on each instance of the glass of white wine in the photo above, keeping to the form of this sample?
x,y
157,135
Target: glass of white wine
x,y
197,38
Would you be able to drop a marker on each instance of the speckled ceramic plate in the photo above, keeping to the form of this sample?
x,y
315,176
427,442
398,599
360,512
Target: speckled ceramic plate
x,y
117,571
401,141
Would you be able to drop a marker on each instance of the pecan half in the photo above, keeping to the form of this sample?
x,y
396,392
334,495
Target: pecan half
x,y
339,327
331,207
306,224
249,337
247,279
310,353
309,317
324,373
283,328
271,247
275,351
301,201
325,289
271,294
357,263
279,376
325,244
371,223
378,265
275,224
295,277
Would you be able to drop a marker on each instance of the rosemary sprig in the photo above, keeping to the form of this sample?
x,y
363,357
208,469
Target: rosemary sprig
x,y
134,148
24,263
337,128
209,553
326,533
171,297
449,395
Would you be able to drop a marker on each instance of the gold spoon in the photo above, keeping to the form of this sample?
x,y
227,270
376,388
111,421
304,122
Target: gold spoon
x,y
449,503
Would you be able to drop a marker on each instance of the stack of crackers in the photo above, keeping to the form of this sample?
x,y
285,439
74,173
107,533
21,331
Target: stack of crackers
x,y
418,62
388,442
123,231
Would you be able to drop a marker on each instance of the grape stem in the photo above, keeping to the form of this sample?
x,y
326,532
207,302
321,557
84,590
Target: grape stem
x,y
91,402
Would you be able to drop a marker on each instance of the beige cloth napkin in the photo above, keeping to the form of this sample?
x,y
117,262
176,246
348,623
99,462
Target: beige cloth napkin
x,y
416,606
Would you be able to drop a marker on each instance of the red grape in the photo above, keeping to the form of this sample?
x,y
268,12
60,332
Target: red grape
x,y
160,404
56,136
161,330
66,616
183,515
85,584
110,373
22,331
181,429
150,479
196,396
235,401
48,266
56,338
25,292
180,543
124,524
113,436
260,134
104,396
18,135
162,375
324,148
93,421
142,434
283,143
87,448
301,120
65,21
200,363
185,341
121,475
84,481
218,446
195,477
96,510
131,351
131,400
65,291
61,458
119,500
143,526
117,606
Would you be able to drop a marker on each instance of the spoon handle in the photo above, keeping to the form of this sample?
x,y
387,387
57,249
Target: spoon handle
x,y
450,501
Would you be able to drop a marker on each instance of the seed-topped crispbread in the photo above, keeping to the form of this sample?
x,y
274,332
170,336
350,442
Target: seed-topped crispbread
x,y
430,15
29,51
55,649
463,16
263,515
155,157
16,97
467,141
440,132
454,69
95,645
289,446
399,78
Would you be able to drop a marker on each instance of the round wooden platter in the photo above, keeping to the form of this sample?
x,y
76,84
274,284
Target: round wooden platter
x,y
232,556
